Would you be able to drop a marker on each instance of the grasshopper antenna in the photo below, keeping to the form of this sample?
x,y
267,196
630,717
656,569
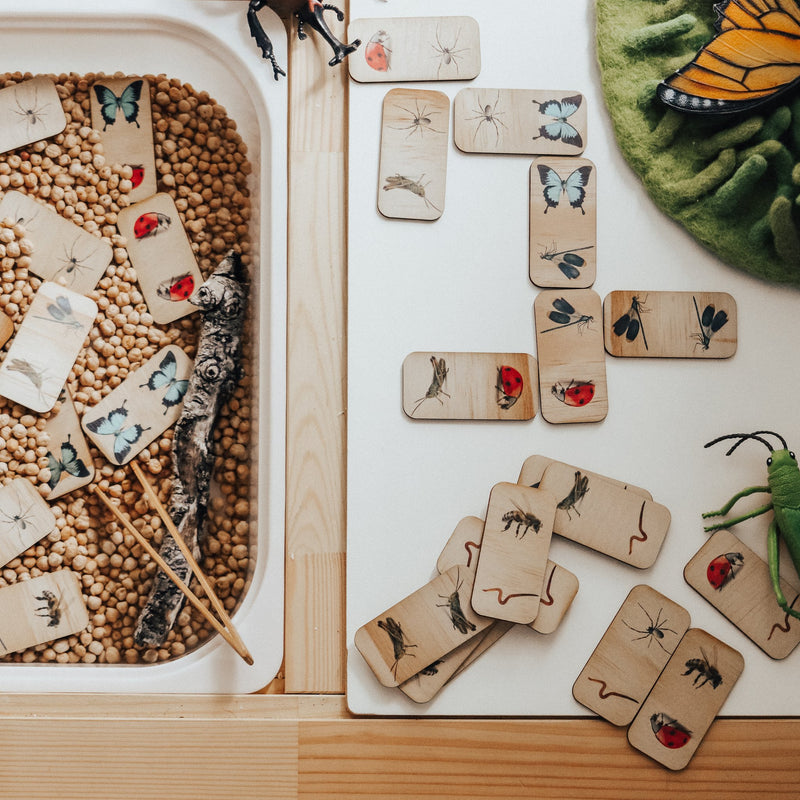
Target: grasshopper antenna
x,y
743,437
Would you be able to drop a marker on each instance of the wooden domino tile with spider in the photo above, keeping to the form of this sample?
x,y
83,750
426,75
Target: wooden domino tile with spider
x,y
31,111
25,518
415,49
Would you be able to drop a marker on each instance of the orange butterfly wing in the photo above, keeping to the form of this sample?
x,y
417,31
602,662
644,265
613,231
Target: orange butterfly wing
x,y
754,55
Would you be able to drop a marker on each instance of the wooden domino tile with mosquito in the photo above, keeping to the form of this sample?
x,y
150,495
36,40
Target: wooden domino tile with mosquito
x,y
563,222
412,174
68,457
569,344
670,324
686,699
422,628
31,111
512,561
46,346
415,49
25,518
519,122
41,609
121,111
495,386
142,407
736,581
631,655
160,250
61,250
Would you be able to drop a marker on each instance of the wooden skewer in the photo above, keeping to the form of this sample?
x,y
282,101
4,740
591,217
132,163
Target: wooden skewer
x,y
235,643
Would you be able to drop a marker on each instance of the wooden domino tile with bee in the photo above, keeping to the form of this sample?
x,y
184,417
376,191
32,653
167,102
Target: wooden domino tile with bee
x,y
670,324
25,518
31,111
563,222
736,581
415,49
572,367
68,457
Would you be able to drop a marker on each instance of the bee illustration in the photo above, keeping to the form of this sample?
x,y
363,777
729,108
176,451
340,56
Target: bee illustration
x,y
705,671
523,520
51,608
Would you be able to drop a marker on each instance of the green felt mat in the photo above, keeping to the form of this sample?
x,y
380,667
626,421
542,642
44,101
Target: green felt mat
x,y
732,182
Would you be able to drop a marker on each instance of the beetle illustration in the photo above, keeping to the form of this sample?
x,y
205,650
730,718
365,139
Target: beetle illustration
x,y
705,670
654,632
669,731
51,607
783,484
722,569
575,393
399,644
436,388
576,494
524,521
151,223
509,386
453,605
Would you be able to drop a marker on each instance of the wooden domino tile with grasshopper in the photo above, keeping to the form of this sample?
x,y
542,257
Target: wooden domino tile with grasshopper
x,y
68,457
519,121
670,324
415,49
496,386
25,518
31,111
412,172
572,368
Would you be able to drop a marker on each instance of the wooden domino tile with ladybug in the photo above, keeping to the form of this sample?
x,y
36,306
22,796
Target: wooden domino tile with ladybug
x,y
68,458
31,111
569,344
670,324
494,386
563,222
686,699
160,250
121,111
40,610
25,518
415,49
412,173
519,121
142,407
736,581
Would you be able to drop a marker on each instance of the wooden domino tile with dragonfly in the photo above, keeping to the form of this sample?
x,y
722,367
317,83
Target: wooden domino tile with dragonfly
x,y
415,49
670,324
25,518
68,457
31,111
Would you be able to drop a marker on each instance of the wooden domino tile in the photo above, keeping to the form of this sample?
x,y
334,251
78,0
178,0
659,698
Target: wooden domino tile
x,y
670,324
415,49
496,386
6,328
68,457
25,518
31,111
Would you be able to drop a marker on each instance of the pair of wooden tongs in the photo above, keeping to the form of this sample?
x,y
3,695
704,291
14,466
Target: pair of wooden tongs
x,y
224,627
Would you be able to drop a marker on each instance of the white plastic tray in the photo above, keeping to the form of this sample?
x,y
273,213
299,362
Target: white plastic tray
x,y
462,284
207,44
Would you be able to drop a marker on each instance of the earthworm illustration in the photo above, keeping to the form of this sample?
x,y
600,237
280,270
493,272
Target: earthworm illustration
x,y
471,547
508,597
605,694
548,599
643,537
786,623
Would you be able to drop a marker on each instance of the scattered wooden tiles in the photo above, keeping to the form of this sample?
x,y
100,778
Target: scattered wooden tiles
x,y
519,121
497,386
670,324
563,222
31,111
413,157
68,457
25,518
415,49
572,368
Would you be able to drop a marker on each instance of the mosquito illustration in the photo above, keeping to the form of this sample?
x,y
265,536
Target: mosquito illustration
x,y
73,265
709,322
655,631
34,374
488,114
564,315
415,187
630,323
33,115
399,643
419,121
576,494
436,388
452,603
448,54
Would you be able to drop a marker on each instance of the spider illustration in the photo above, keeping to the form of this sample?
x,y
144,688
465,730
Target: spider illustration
x,y
448,54
73,264
419,119
655,631
33,114
488,113
20,519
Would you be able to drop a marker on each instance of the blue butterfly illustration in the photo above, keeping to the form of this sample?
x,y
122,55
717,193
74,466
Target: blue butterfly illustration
x,y
559,128
127,102
69,463
112,425
166,375
574,186
61,312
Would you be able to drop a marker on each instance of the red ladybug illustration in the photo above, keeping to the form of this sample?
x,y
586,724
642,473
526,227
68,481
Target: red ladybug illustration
x,y
669,731
509,386
576,393
723,569
138,175
378,51
151,224
176,288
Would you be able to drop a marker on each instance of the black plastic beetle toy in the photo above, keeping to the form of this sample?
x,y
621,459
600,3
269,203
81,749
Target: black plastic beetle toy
x,y
307,12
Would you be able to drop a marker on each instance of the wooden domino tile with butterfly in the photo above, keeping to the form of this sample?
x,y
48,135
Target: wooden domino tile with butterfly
x,y
122,113
62,251
415,49
519,121
142,407
25,518
495,386
670,324
46,346
31,111
563,222
412,172
736,581
572,367
68,457
160,250
41,609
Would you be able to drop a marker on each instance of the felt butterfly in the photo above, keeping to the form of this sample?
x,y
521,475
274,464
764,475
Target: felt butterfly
x,y
166,375
113,425
559,128
754,55
61,312
69,463
573,186
127,103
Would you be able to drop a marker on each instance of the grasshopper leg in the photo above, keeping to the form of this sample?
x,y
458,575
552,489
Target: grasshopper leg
x,y
738,496
774,569
729,523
